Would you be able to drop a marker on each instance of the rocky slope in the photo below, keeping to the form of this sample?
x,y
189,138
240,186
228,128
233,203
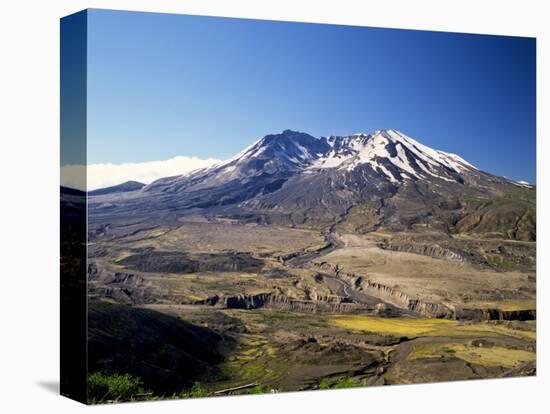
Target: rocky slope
x,y
120,188
165,352
379,181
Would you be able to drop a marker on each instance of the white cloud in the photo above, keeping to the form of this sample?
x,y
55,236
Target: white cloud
x,y
105,175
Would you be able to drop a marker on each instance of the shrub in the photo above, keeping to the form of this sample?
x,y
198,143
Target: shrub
x,y
343,382
196,391
325,384
103,387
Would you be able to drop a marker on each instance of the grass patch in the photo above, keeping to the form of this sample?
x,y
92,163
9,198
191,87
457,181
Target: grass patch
x,y
509,305
390,326
426,327
501,261
269,317
196,391
473,330
113,387
489,357
254,361
258,389
339,383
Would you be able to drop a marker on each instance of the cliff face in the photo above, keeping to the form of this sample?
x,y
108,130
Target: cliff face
x,y
499,314
401,299
432,250
321,304
330,305
388,294
427,309
122,287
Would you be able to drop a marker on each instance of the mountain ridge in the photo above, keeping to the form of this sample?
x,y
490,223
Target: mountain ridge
x,y
397,183
333,151
119,188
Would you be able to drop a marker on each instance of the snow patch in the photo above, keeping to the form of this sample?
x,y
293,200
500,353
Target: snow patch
x,y
385,171
522,183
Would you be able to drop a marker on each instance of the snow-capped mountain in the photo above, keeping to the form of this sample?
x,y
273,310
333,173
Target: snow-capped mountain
x,y
381,179
276,156
393,154
294,150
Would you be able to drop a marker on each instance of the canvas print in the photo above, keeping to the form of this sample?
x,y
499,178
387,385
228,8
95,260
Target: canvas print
x,y
255,206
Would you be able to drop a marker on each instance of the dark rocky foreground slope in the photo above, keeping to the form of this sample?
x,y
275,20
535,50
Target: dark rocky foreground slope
x,y
168,354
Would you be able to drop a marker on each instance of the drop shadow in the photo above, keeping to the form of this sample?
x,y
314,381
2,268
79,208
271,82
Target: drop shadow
x,y
51,386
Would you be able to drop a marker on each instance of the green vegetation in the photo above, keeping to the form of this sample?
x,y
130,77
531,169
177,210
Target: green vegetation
x,y
196,391
254,361
390,326
339,383
501,262
490,356
199,391
475,202
509,304
258,389
113,387
426,327
294,343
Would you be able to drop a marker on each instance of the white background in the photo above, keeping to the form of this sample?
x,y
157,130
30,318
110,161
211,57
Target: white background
x,y
29,252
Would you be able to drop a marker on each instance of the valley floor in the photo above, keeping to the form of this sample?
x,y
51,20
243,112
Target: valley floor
x,y
286,309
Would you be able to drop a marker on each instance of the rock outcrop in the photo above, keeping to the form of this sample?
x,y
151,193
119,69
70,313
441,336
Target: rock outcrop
x,y
432,250
498,314
427,309
150,260
121,287
322,304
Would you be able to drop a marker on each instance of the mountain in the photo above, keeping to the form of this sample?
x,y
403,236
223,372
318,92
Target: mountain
x,y
384,180
393,154
120,188
261,168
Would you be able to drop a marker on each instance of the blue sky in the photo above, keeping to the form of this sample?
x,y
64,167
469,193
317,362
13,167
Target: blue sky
x,y
162,85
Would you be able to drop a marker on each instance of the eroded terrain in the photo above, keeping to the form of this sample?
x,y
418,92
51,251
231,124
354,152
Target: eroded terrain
x,y
287,308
